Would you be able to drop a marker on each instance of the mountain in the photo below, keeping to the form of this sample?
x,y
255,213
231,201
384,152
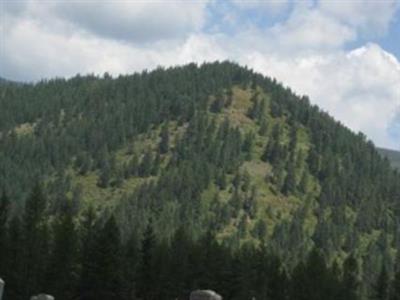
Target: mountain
x,y
213,157
392,155
7,81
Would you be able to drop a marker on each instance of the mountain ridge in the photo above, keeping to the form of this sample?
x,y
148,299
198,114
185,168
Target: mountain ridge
x,y
214,147
392,155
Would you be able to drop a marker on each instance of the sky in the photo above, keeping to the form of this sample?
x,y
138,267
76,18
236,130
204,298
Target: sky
x,y
343,54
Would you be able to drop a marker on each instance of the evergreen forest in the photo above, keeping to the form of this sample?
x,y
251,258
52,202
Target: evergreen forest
x,y
151,185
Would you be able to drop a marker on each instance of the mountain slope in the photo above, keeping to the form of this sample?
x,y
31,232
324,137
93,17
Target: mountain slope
x,y
392,155
7,81
214,147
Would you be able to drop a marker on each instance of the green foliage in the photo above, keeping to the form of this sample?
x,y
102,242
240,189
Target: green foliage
x,y
351,283
164,142
63,259
395,287
382,287
35,241
231,156
147,267
4,213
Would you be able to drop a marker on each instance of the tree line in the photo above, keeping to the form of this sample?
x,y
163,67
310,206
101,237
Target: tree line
x,y
84,257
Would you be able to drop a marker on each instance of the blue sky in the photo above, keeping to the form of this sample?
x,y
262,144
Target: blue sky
x,y
343,54
391,40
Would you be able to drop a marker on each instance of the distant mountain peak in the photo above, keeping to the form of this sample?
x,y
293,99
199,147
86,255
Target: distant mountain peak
x,y
392,155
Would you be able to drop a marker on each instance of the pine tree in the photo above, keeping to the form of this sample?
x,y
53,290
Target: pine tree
x,y
246,181
107,257
218,104
235,202
105,175
254,111
304,182
236,180
61,275
221,179
277,280
36,237
14,265
146,266
229,98
164,142
263,131
163,286
381,288
146,165
156,165
395,287
87,245
299,289
267,152
260,230
317,272
132,168
248,145
101,274
293,138
350,286
4,212
179,262
130,267
289,185
334,281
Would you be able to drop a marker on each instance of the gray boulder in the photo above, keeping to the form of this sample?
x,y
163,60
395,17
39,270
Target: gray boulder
x,y
204,295
42,297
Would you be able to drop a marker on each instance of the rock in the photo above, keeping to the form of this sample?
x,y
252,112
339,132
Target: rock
x,y
42,297
1,288
204,295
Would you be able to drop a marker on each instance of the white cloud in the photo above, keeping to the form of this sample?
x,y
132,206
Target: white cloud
x,y
263,6
135,21
361,88
130,21
44,38
370,17
309,29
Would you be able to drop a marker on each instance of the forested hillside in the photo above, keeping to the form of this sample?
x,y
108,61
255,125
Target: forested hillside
x,y
157,183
